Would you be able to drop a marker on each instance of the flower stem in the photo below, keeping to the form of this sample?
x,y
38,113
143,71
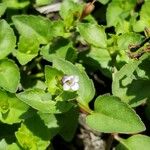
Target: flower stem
x,y
85,109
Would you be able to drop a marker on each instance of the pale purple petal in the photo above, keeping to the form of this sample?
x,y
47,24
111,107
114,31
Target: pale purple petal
x,y
66,78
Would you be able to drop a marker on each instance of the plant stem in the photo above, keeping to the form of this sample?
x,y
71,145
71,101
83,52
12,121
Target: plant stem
x,y
116,137
109,142
85,109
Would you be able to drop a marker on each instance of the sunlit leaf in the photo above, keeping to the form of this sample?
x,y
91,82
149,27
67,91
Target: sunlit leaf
x,y
11,108
4,145
43,2
2,9
29,25
111,115
16,4
7,39
136,142
42,101
9,72
144,20
93,34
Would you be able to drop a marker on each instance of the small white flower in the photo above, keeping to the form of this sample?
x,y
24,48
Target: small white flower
x,y
70,83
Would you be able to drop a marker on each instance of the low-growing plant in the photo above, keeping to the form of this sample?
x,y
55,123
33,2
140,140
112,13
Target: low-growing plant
x,y
46,72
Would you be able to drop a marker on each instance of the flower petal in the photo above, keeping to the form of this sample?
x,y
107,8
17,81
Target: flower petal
x,y
75,87
66,87
67,78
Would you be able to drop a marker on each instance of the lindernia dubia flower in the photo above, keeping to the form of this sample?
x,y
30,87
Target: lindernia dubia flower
x,y
70,82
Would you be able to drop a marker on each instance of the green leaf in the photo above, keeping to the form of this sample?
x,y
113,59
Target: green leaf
x,y
11,108
123,27
13,146
113,13
103,58
135,142
7,39
139,25
68,131
123,42
58,29
33,134
23,58
9,72
16,4
29,26
103,1
5,146
43,2
131,83
67,96
53,79
93,34
68,6
59,48
32,81
111,115
2,9
70,11
50,120
28,48
28,45
42,101
117,11
28,140
126,39
86,88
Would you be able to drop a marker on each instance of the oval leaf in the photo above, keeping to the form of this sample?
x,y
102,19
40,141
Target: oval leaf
x,y
2,9
11,108
43,102
111,115
7,39
33,25
86,91
93,34
9,75
16,4
135,142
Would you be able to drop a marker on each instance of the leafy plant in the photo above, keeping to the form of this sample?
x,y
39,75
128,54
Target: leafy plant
x,y
47,68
